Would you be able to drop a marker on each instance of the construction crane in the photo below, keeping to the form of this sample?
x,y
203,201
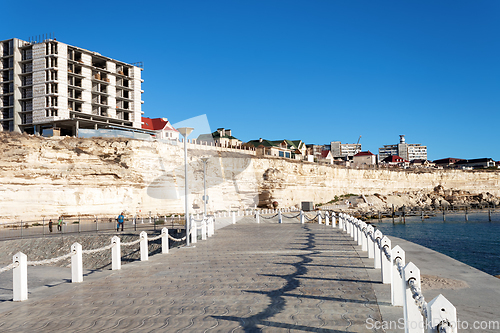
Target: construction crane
x,y
357,143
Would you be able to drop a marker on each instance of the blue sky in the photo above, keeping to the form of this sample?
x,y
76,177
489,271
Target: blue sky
x,y
315,70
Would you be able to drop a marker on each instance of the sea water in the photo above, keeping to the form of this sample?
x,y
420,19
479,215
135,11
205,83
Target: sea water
x,y
475,242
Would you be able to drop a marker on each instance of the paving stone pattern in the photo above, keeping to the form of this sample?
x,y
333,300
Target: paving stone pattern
x,y
249,277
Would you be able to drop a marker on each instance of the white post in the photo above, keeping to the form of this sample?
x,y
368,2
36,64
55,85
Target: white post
x,y
194,231
144,246
234,217
371,250
355,230
320,220
204,229
116,257
441,310
334,222
164,240
341,223
414,322
211,228
327,221
20,277
257,217
376,249
76,263
386,262
397,286
279,217
364,246
302,217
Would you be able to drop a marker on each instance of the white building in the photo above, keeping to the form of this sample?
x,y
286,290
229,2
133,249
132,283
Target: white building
x,y
344,149
49,85
404,150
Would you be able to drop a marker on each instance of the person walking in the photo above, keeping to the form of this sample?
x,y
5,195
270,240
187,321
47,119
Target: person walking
x,y
50,225
59,223
120,220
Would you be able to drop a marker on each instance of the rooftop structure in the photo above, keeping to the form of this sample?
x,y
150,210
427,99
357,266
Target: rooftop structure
x,y
50,85
222,137
162,127
407,151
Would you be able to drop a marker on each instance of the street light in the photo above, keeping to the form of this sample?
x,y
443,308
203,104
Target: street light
x,y
204,160
185,131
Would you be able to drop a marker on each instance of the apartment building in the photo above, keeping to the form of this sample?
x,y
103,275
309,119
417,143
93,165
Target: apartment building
x,y
53,87
407,151
344,149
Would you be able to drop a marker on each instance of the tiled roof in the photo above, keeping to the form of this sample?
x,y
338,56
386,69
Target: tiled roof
x,y
156,124
365,153
394,159
324,153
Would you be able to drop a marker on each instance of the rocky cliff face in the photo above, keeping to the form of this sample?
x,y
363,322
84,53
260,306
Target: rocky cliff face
x,y
48,177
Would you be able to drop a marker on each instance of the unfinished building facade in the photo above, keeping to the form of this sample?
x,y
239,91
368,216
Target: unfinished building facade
x,y
52,87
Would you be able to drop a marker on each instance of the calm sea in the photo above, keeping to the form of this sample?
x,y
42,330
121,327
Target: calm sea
x,y
475,242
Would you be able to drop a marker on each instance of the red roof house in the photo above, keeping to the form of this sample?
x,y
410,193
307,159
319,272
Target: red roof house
x,y
161,126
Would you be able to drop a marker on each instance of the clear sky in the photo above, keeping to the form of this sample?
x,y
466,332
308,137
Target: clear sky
x,y
315,70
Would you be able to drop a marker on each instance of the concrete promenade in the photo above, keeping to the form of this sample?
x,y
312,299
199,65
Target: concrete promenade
x,y
247,278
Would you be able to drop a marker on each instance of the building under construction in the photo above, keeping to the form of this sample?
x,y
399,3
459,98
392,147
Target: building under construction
x,y
48,87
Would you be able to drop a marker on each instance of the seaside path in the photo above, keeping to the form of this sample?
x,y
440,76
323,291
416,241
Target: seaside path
x,y
249,277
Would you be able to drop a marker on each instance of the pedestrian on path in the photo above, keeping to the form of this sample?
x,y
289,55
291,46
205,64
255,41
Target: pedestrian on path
x,y
59,223
50,225
120,220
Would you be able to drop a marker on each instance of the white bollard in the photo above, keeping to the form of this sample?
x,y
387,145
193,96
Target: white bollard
x,y
320,220
440,310
327,221
20,277
302,217
279,217
364,246
144,246
116,257
341,223
234,217
369,241
376,249
194,232
204,229
355,232
164,240
397,285
257,216
334,222
413,318
385,262
76,263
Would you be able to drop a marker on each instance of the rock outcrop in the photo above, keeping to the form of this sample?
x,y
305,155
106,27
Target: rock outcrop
x,y
48,177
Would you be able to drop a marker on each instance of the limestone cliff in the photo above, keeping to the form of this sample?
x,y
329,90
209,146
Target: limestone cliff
x,y
48,177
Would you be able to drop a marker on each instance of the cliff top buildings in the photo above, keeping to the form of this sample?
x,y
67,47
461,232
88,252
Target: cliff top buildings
x,y
50,85
407,151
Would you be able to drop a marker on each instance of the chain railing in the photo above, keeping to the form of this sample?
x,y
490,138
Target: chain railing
x,y
20,262
439,315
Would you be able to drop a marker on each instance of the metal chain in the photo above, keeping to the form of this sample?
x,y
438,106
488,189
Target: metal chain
x,y
9,267
418,297
444,327
268,218
291,217
386,252
49,261
399,265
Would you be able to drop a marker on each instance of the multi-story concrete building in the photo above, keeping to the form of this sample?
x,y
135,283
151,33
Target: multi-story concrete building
x,y
407,151
55,87
344,149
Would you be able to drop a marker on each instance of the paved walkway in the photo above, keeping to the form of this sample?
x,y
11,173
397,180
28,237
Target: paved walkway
x,y
247,278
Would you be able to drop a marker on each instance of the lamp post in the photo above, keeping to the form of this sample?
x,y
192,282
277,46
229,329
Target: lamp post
x,y
204,160
185,131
